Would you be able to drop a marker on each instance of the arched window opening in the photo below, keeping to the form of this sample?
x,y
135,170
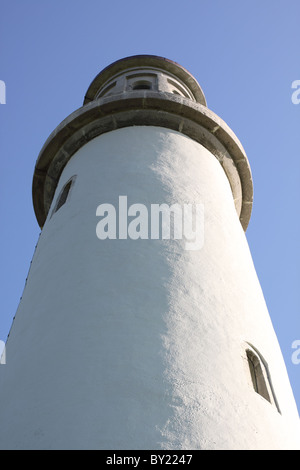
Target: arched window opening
x,y
257,375
260,376
63,195
179,90
106,90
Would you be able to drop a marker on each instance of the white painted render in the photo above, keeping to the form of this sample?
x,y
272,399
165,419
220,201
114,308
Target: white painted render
x,y
141,344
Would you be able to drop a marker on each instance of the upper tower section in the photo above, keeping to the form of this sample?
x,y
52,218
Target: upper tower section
x,y
143,90
145,72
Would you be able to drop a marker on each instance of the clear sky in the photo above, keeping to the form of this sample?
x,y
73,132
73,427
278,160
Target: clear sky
x,y
245,55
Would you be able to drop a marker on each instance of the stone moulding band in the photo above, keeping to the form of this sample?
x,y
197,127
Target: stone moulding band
x,y
142,108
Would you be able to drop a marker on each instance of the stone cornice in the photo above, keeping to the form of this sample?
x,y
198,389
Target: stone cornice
x,y
142,108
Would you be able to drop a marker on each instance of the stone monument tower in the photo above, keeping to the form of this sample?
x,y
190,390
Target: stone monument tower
x,y
132,334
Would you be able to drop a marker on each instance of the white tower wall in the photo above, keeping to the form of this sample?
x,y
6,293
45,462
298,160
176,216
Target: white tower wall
x,y
137,344
142,344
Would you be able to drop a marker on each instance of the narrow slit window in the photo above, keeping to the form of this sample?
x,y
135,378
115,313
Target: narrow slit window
x,y
142,85
63,196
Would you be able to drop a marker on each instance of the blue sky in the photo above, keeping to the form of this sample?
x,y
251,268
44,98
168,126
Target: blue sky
x,y
245,55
